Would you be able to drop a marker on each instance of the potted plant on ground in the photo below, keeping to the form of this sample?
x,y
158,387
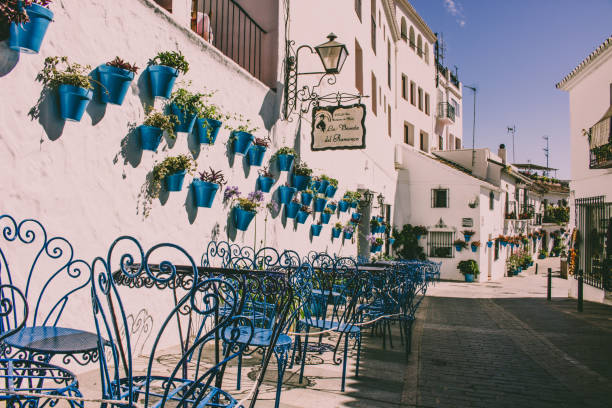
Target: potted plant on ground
x,y
185,106
285,194
265,180
292,208
326,215
205,188
475,245
115,77
469,269
301,175
316,229
307,196
153,127
303,214
29,20
173,170
337,230
320,202
245,209
348,231
163,70
330,191
72,84
468,234
284,158
460,244
257,151
419,231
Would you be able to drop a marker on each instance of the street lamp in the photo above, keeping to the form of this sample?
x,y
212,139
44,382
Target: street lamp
x,y
333,54
367,197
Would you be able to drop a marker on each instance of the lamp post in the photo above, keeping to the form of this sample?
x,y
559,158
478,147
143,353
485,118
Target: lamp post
x,y
332,55
473,88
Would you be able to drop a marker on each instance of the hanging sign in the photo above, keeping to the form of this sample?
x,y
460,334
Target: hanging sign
x,y
338,127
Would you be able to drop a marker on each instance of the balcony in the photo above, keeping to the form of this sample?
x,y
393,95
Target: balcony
x,y
601,157
446,113
454,80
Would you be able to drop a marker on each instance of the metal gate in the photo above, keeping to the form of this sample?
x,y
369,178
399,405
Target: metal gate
x,y
594,219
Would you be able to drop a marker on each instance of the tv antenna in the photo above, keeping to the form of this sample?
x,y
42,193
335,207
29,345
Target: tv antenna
x,y
512,129
546,151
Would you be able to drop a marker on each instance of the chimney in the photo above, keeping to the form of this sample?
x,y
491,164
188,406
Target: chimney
x,y
502,152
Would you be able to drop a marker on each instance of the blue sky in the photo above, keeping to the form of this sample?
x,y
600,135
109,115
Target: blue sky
x,y
515,52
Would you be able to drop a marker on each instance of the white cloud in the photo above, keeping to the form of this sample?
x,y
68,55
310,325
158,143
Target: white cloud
x,y
455,9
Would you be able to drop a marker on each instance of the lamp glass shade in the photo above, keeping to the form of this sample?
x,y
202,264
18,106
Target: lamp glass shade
x,y
333,55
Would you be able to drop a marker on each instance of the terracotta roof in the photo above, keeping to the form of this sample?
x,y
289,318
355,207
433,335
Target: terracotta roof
x,y
598,51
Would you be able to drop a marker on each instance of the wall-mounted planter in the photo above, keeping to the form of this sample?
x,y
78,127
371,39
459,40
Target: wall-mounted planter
x,y
242,142
306,198
162,80
256,155
265,183
301,182
316,229
354,204
336,232
504,243
115,84
73,101
285,194
301,217
242,218
325,217
292,209
489,244
418,236
323,186
355,217
284,161
348,235
330,192
467,237
375,248
319,204
185,120
458,248
343,206
332,207
469,277
207,130
204,192
150,137
379,219
391,241
28,37
174,181
474,248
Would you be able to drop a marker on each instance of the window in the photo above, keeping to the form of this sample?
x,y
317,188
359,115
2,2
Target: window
x,y
374,94
491,200
427,103
420,46
420,98
389,119
458,144
358,8
439,198
389,64
411,37
413,93
426,53
424,145
373,26
409,133
358,67
440,143
456,106
440,244
404,29
404,87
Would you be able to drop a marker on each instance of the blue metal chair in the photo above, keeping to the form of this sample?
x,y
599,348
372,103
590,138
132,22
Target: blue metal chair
x,y
191,382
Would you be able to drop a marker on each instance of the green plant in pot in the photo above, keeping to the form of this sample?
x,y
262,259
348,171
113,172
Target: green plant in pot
x,y
284,157
163,70
242,135
469,269
186,107
245,209
24,23
301,175
460,244
115,77
153,127
205,188
209,121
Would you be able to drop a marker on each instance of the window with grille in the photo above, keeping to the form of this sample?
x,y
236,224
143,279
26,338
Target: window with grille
x,y
440,244
439,198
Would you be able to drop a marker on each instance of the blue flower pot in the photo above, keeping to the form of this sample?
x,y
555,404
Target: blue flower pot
x,y
375,248
115,84
319,204
336,232
347,235
512,245
469,277
355,217
207,130
354,204
474,249
301,217
343,206
515,272
418,236
301,182
504,243
489,244
315,185
467,237
73,101
316,229
332,207
242,142
185,120
323,186
174,181
204,192
306,198
391,241
325,217
284,161
150,137
292,209
265,183
243,218
256,155
330,192
28,37
379,219
285,194
458,248
162,80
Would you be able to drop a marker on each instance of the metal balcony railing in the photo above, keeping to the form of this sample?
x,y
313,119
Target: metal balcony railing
x,y
454,80
446,111
601,157
227,26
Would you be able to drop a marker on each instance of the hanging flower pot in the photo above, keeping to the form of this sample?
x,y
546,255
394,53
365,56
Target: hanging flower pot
x,y
347,235
379,219
162,80
150,137
332,207
292,209
207,130
354,204
315,185
330,192
336,232
323,186
73,101
316,229
265,183
242,218
343,205
256,155
306,198
301,217
474,248
174,182
504,243
284,161
375,248
301,182
325,217
285,194
319,204
204,192
355,217
489,244
458,248
391,241
242,142
28,37
186,120
115,83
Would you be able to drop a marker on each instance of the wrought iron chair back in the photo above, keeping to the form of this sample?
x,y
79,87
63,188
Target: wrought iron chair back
x,y
12,316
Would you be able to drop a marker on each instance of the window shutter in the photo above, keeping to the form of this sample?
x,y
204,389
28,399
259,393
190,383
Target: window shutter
x,y
447,199
433,198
